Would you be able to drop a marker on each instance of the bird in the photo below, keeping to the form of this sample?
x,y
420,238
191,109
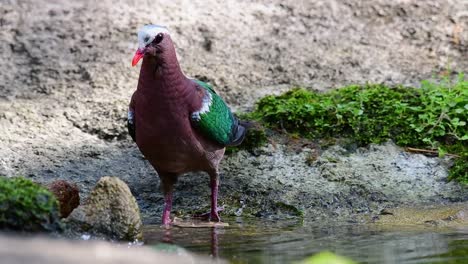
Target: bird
x,y
180,124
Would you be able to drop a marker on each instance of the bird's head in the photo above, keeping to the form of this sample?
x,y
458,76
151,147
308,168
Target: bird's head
x,y
152,40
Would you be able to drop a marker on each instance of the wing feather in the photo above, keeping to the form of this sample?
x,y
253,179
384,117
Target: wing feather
x,y
131,125
215,119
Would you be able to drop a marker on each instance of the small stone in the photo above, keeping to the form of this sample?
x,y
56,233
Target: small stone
x,y
386,212
110,210
67,194
462,214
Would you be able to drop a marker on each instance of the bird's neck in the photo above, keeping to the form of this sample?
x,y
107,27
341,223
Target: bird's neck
x,y
162,76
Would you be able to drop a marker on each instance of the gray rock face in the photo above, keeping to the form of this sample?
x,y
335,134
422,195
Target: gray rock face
x,y
110,209
246,49
339,183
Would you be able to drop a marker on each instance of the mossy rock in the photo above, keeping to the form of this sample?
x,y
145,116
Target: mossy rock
x,y
110,210
27,206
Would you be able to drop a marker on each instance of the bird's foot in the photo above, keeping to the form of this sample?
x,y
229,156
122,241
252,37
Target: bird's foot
x,y
166,220
214,217
210,216
167,223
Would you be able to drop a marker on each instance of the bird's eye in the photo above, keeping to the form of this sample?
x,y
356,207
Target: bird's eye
x,y
146,39
158,38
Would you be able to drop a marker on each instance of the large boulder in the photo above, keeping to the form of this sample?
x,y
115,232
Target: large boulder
x,y
110,210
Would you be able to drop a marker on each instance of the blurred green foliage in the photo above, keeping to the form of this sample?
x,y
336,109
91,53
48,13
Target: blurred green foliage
x,y
326,257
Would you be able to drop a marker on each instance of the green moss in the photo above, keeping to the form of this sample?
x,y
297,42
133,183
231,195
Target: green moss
x,y
27,206
459,170
433,116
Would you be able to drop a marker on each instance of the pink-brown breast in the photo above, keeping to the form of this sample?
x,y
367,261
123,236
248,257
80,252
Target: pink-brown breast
x,y
166,137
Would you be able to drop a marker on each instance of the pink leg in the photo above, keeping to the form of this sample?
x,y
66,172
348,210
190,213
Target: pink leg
x,y
214,183
213,215
167,183
166,218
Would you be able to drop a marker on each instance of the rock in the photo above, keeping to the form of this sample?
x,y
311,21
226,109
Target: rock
x,y
110,210
16,250
339,184
67,194
27,206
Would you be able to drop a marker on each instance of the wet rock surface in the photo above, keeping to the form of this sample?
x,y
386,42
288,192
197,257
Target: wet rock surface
x,y
452,215
111,210
66,81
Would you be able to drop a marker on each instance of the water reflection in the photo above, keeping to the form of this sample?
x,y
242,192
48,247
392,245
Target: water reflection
x,y
214,242
255,241
174,235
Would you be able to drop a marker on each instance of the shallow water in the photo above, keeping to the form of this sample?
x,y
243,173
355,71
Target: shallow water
x,y
260,241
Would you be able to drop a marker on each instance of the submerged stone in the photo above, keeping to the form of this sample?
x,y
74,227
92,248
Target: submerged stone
x,y
110,210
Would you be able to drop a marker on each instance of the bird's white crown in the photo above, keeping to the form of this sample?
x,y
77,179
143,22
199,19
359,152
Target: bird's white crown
x,y
147,34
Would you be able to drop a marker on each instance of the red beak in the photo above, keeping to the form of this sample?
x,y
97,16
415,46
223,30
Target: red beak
x,y
137,57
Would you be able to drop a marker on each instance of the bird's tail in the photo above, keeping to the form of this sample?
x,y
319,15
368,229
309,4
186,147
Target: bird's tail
x,y
240,130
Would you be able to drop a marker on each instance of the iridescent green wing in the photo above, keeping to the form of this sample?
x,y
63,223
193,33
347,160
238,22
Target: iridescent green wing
x,y
215,120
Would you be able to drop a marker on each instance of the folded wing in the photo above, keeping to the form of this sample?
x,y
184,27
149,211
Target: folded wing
x,y
215,120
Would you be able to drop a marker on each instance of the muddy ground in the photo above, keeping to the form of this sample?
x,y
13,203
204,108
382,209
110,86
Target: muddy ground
x,y
66,79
